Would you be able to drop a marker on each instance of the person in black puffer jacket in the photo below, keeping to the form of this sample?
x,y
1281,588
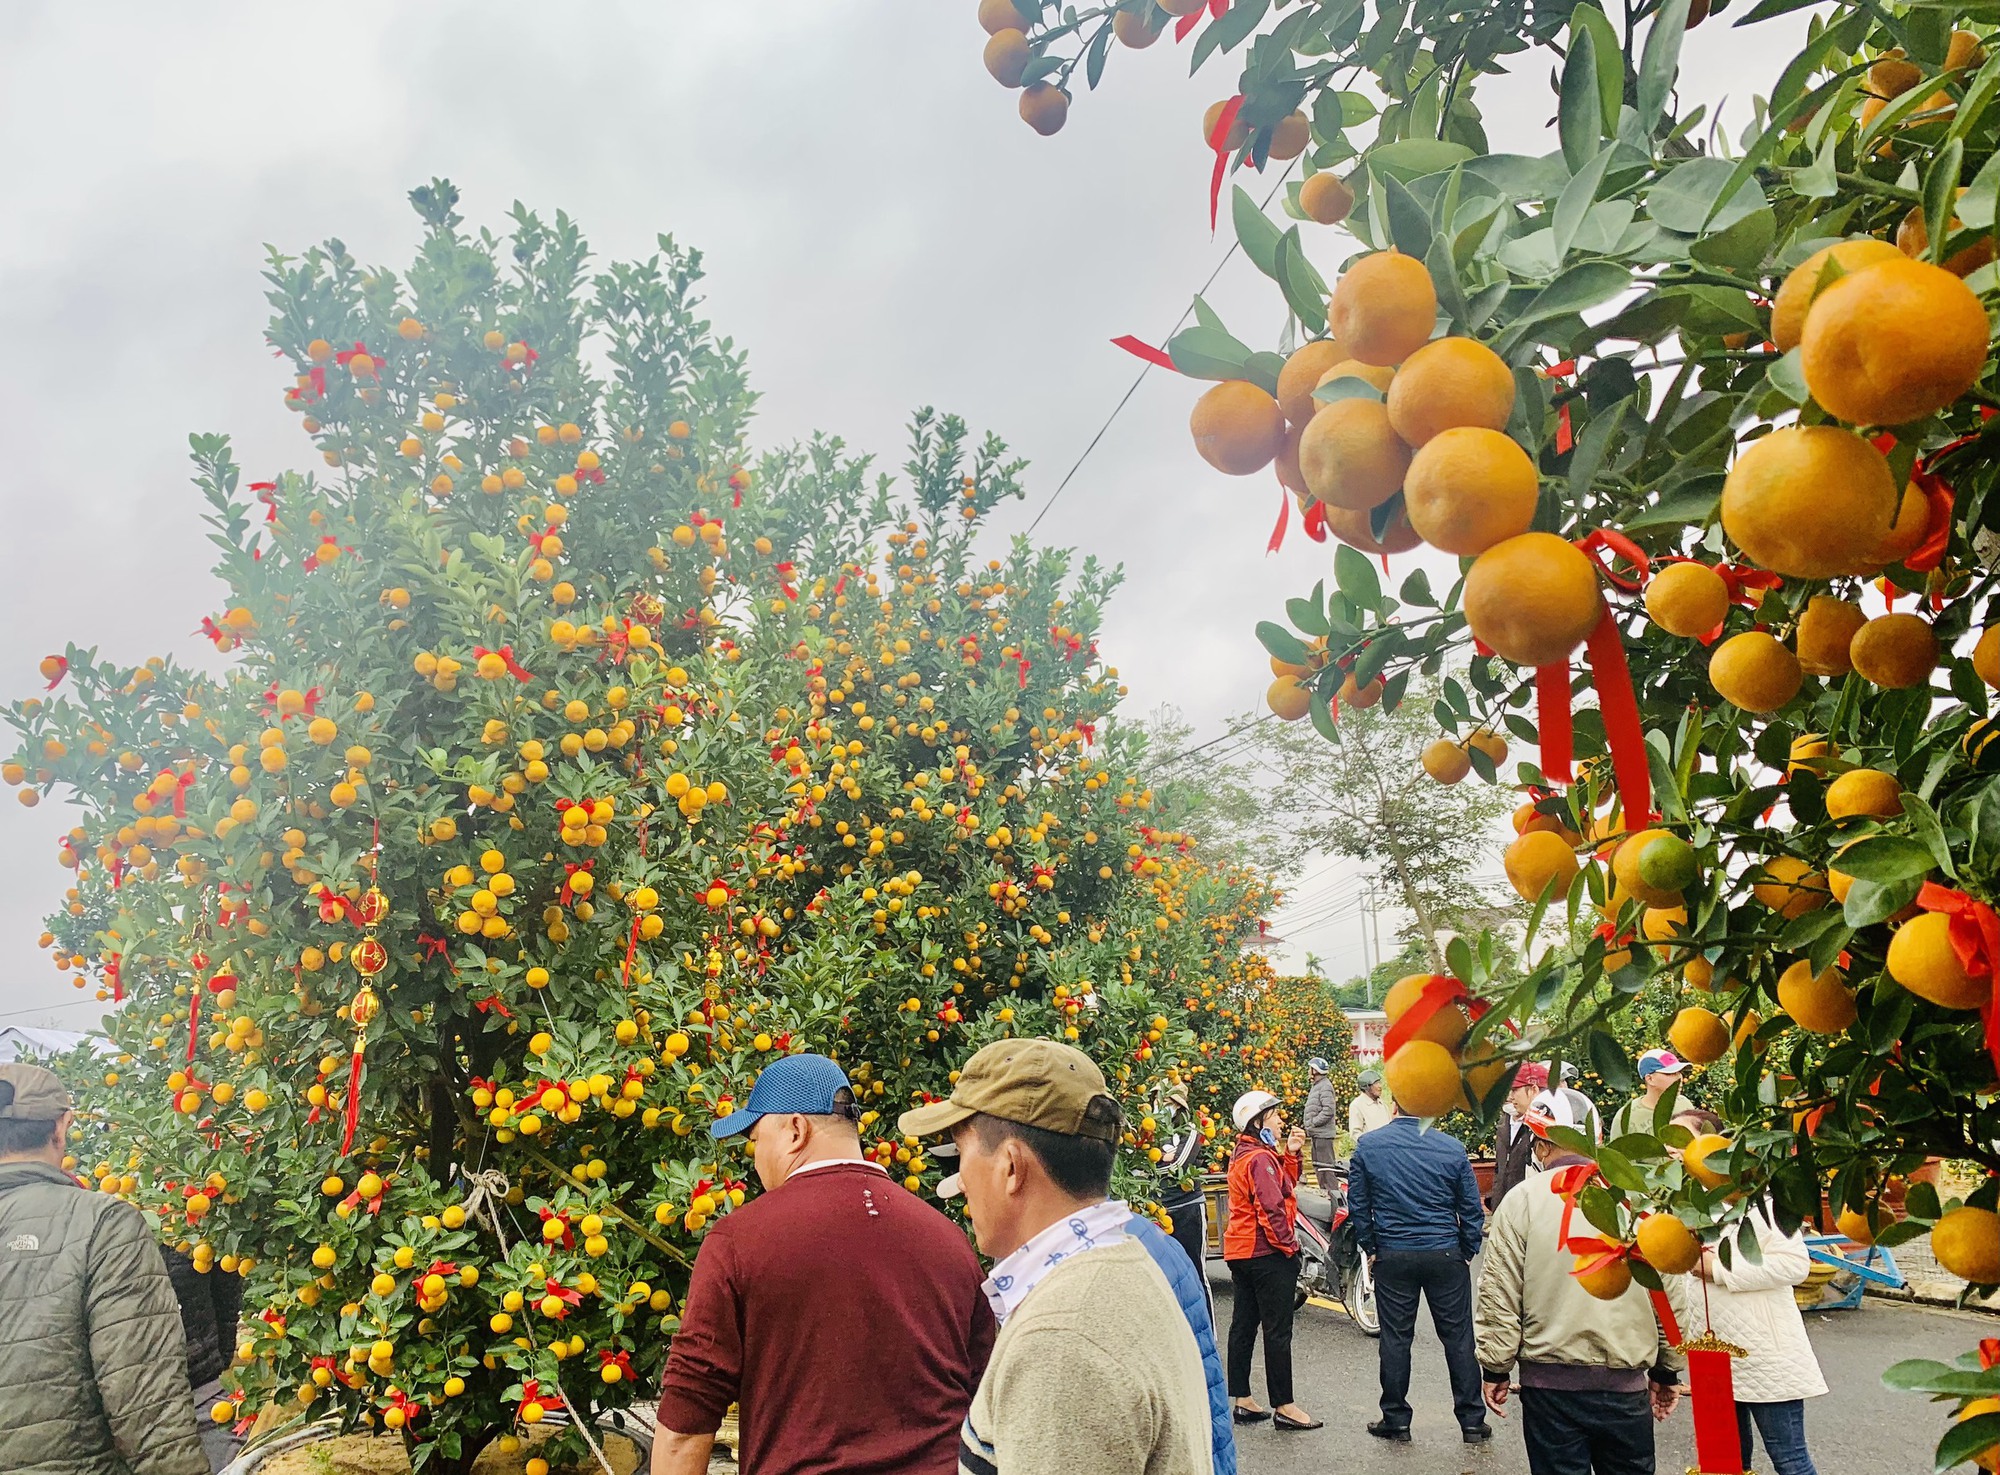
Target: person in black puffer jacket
x,y
211,1307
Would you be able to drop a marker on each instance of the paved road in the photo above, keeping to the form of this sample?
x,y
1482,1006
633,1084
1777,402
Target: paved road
x,y
1860,1428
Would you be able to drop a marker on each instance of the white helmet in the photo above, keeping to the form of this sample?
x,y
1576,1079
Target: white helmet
x,y
1249,1106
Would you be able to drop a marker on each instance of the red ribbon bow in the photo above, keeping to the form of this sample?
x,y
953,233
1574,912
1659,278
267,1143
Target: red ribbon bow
x,y
568,1234
784,572
182,782
570,868
506,654
1437,993
1975,937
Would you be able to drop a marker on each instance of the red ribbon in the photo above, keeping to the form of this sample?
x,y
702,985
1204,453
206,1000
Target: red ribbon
x,y
62,670
631,947
621,1360
493,1004
1139,349
506,653
1612,676
784,572
1314,522
115,978
1937,530
351,1114
1284,521
554,1287
1552,718
1438,992
1189,21
568,1234
1975,937
182,782
1025,664
194,1021
1712,1403
1224,121
1619,706
570,869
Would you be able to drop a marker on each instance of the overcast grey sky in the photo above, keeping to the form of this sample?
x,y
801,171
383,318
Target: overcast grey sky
x,y
881,232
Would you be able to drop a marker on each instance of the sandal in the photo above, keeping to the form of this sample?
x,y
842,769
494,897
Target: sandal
x,y
1282,1422
1248,1415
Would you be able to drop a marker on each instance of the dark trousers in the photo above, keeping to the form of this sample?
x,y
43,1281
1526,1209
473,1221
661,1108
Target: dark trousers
x,y
1587,1432
1782,1426
1265,1287
1191,1233
1445,1281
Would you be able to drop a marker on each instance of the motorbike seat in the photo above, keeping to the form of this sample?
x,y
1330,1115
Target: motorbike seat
x,y
1317,1207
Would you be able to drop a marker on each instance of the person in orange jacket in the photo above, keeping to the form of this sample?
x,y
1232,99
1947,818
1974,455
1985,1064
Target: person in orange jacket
x,y
1262,1251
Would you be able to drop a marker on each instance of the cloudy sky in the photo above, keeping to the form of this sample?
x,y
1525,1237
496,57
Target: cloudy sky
x,y
881,230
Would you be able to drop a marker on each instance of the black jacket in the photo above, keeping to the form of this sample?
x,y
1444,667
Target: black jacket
x,y
211,1306
1513,1153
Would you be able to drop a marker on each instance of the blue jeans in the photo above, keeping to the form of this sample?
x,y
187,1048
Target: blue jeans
x,y
1783,1429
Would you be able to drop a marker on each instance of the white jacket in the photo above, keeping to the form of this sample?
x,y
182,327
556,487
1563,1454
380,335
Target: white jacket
x,y
1752,1306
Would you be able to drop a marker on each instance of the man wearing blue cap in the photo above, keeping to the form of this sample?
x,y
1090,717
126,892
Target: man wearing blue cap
x,y
842,1314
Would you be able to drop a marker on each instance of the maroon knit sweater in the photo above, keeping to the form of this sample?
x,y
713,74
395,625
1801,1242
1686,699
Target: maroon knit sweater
x,y
846,1317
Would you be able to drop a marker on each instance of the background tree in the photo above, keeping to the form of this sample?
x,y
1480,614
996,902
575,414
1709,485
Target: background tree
x,y
569,763
1367,797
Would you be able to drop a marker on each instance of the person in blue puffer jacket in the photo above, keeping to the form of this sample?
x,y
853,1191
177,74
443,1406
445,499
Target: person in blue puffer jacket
x,y
1191,1290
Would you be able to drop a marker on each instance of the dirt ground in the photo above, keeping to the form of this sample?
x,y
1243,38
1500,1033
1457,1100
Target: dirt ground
x,y
363,1454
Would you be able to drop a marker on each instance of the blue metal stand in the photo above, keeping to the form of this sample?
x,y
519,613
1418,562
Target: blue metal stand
x,y
1877,1266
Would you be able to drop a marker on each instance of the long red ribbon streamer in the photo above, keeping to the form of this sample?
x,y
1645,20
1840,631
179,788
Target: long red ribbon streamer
x,y
1552,717
1622,732
1284,521
1712,1400
1223,123
1139,348
352,1111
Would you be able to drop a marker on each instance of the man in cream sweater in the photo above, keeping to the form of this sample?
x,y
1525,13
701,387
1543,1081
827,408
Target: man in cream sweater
x,y
1095,1368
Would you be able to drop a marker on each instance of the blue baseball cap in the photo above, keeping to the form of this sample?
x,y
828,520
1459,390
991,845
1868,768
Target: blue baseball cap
x,y
801,1083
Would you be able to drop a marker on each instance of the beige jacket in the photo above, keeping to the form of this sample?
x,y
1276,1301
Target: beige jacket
x,y
1531,1310
1094,1373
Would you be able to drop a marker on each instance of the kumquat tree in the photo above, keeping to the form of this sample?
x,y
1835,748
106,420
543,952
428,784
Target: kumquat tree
x,y
1712,416
1271,1026
566,764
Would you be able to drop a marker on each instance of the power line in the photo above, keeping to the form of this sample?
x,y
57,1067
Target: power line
x,y
1239,733
1234,247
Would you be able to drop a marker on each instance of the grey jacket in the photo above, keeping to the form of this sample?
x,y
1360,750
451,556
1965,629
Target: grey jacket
x,y
91,1348
1321,1119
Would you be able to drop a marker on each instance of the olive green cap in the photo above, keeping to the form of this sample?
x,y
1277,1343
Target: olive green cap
x,y
28,1093
1035,1083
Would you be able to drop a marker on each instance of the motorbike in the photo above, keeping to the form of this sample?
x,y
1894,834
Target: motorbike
x,y
1332,1264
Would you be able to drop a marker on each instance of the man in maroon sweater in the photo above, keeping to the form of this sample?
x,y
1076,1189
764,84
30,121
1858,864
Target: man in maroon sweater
x,y
844,1315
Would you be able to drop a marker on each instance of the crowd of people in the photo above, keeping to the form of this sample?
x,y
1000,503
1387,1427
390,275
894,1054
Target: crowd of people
x,y
1088,1345
1592,1375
